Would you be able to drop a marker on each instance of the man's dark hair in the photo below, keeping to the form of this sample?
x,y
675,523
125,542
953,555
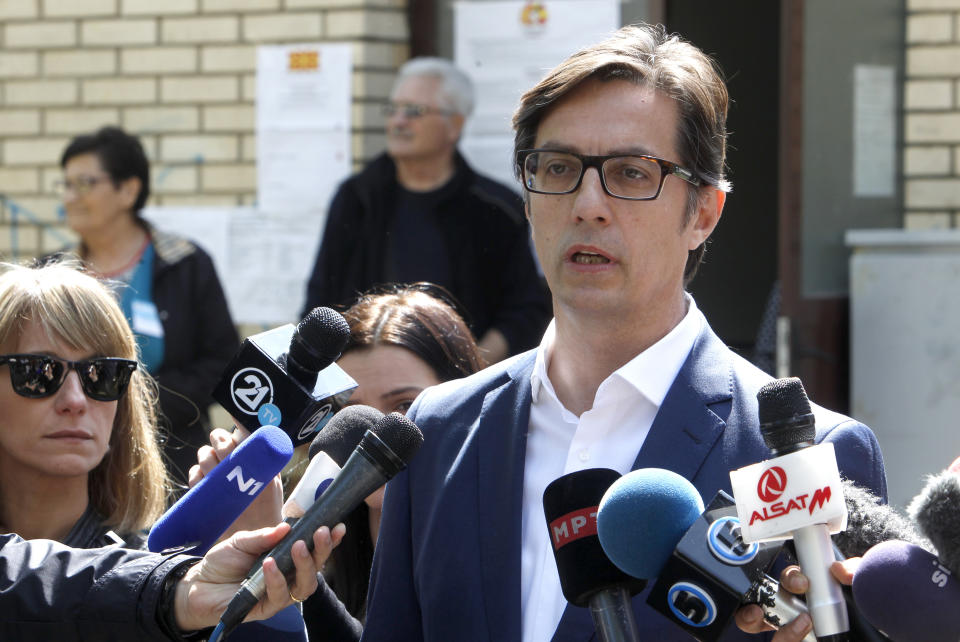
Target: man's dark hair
x,y
121,155
647,55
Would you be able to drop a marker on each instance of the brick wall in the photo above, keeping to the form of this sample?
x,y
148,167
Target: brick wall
x,y
931,126
180,74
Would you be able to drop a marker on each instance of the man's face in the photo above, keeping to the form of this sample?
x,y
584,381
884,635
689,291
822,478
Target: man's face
x,y
431,135
607,256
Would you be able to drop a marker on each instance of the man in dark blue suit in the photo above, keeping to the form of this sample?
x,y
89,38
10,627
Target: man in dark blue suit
x,y
621,153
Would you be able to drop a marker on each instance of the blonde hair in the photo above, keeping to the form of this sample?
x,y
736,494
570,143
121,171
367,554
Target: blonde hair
x,y
129,487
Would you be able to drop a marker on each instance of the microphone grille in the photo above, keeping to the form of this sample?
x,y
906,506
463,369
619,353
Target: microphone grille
x,y
399,434
786,418
344,431
319,339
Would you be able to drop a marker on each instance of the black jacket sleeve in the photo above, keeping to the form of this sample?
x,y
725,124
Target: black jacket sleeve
x,y
49,591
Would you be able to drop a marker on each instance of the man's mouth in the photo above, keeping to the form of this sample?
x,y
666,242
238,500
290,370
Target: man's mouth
x,y
588,258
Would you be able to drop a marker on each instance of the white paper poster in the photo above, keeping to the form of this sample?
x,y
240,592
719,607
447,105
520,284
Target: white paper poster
x,y
303,125
262,259
506,47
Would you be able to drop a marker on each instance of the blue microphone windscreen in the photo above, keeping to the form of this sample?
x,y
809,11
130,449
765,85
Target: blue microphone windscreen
x,y
642,517
908,594
208,509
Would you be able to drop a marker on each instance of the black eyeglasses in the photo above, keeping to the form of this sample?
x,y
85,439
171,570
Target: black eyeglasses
x,y
37,376
413,110
631,177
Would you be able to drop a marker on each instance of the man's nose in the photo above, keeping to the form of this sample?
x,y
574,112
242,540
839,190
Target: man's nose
x,y
591,201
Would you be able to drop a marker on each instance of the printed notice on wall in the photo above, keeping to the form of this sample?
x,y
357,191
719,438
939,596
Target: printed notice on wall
x,y
506,47
262,261
303,125
874,131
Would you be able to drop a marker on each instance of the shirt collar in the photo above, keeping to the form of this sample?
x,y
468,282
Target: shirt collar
x,y
651,372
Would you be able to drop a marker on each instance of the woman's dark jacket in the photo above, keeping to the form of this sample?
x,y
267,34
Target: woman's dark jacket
x,y
199,340
494,275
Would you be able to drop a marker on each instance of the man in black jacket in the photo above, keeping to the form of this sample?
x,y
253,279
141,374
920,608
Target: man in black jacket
x,y
419,213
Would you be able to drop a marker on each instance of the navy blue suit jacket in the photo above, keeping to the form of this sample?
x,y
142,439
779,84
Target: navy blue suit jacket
x,y
447,563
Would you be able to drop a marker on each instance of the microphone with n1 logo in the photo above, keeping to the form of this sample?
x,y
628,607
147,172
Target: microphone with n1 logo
x,y
587,576
384,451
205,511
797,494
286,376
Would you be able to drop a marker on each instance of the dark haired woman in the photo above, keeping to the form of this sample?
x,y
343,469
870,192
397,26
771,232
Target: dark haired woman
x,y
402,340
173,299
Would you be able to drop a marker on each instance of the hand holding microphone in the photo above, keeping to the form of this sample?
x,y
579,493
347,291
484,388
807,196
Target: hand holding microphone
x,y
382,453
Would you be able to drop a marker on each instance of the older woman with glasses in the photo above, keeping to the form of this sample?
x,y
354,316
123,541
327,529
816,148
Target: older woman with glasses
x,y
170,292
79,460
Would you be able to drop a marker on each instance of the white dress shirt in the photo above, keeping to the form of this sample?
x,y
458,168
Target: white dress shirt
x,y
608,435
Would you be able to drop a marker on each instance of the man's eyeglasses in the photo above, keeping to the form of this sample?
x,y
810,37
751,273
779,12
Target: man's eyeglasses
x,y
80,185
635,178
37,376
413,110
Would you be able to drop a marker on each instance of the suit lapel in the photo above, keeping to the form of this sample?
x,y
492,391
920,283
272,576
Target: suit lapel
x,y
502,439
686,427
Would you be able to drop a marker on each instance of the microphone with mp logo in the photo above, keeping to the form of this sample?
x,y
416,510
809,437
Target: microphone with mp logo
x,y
587,577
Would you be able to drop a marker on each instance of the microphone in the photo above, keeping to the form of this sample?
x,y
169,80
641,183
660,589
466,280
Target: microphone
x,y
797,494
869,522
705,572
205,511
587,577
908,593
383,452
328,453
286,376
642,516
936,510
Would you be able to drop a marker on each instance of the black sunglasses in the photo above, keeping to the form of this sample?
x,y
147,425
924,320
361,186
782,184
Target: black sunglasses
x,y
37,376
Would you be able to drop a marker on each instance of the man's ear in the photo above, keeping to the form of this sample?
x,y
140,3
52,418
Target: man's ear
x,y
709,208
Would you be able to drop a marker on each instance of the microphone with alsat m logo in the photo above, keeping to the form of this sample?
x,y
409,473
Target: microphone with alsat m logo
x,y
797,494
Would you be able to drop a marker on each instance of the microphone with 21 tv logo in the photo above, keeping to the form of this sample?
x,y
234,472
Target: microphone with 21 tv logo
x,y
287,377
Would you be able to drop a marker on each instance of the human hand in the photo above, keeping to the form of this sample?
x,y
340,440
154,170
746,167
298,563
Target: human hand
x,y
750,617
207,588
262,511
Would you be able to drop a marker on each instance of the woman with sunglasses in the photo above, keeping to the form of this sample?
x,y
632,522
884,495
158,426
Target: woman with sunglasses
x,y
170,292
79,460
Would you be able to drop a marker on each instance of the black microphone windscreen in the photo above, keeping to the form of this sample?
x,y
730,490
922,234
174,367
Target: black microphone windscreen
x,y
570,505
344,431
319,339
936,511
869,522
400,435
785,415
